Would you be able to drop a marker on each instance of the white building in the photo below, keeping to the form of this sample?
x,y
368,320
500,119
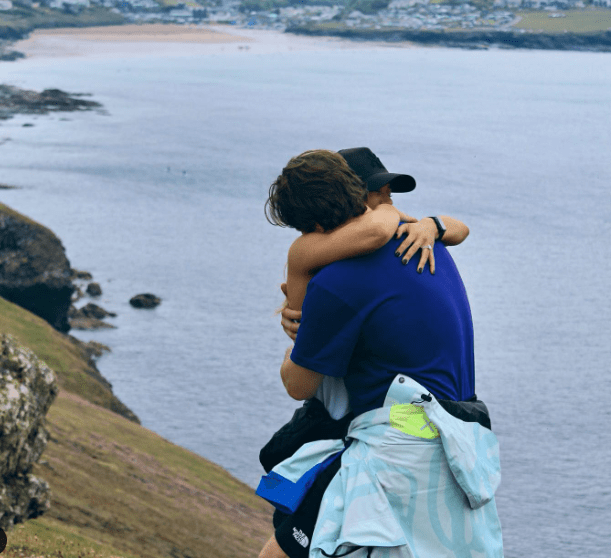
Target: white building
x,y
59,4
507,3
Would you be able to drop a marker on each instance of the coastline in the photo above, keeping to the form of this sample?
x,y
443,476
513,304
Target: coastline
x,y
484,39
162,39
117,489
507,136
123,40
169,40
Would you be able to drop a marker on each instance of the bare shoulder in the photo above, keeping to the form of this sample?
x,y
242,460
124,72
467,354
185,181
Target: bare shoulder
x,y
301,250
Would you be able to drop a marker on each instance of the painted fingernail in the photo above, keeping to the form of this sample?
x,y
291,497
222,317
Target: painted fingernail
x,y
404,262
397,253
419,270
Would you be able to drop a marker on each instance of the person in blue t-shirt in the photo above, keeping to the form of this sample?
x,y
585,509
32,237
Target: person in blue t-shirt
x,y
368,319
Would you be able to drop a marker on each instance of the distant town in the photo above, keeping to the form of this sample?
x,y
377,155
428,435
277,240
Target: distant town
x,y
283,14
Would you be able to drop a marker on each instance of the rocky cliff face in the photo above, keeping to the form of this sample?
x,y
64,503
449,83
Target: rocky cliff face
x,y
27,389
34,270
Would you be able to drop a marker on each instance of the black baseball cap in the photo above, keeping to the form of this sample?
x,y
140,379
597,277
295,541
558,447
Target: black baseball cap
x,y
370,169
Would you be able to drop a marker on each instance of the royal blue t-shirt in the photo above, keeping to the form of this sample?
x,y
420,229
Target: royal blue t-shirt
x,y
370,318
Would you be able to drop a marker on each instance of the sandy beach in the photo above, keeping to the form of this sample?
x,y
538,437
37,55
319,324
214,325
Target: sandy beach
x,y
139,33
170,40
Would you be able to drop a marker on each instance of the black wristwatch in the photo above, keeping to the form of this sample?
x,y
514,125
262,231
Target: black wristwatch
x,y
441,228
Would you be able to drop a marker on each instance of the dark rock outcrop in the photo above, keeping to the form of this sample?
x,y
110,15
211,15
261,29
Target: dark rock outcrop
x,y
14,100
89,316
91,351
95,349
83,275
91,310
76,295
34,270
94,289
78,278
11,56
27,389
145,300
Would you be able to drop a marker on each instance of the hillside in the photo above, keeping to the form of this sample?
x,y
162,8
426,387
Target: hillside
x,y
118,489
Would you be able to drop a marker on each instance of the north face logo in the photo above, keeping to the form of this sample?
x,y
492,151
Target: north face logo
x,y
300,537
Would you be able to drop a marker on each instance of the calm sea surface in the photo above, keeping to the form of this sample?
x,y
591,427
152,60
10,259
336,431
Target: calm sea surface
x,y
165,194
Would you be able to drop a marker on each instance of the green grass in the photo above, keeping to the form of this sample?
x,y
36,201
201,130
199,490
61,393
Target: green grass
x,y
118,489
12,213
29,18
57,350
49,538
576,21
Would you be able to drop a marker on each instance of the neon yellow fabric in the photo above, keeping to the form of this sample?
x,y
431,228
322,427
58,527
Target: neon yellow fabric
x,y
411,419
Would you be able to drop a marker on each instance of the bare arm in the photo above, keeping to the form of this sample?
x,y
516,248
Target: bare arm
x,y
360,235
300,383
456,231
424,233
419,235
311,251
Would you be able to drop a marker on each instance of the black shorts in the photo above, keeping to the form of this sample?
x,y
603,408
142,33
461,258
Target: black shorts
x,y
294,532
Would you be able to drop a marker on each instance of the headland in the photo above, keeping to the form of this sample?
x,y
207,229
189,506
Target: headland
x,y
109,487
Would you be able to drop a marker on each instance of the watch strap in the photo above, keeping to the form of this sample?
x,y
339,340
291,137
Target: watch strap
x,y
441,228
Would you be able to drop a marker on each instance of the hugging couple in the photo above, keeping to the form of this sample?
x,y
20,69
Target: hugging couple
x,y
392,454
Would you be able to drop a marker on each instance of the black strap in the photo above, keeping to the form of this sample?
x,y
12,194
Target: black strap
x,y
472,410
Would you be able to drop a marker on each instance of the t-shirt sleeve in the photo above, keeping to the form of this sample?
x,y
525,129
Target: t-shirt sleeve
x,y
328,333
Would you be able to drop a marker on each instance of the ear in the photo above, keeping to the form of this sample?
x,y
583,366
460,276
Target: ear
x,y
283,289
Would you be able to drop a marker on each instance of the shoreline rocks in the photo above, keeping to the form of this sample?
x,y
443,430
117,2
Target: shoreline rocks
x,y
94,289
11,56
14,100
91,351
472,39
36,275
89,316
34,270
82,275
146,300
32,264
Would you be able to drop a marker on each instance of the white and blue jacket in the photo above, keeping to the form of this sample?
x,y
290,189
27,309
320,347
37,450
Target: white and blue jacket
x,y
414,482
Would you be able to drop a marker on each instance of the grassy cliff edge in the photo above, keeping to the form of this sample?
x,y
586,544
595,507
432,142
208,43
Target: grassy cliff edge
x,y
118,489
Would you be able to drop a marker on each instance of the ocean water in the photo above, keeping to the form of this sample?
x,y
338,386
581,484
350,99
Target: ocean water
x,y
164,193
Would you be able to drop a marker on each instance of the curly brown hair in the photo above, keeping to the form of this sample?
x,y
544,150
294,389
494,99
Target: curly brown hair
x,y
315,188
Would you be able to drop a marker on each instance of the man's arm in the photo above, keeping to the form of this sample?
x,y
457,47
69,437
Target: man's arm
x,y
299,382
